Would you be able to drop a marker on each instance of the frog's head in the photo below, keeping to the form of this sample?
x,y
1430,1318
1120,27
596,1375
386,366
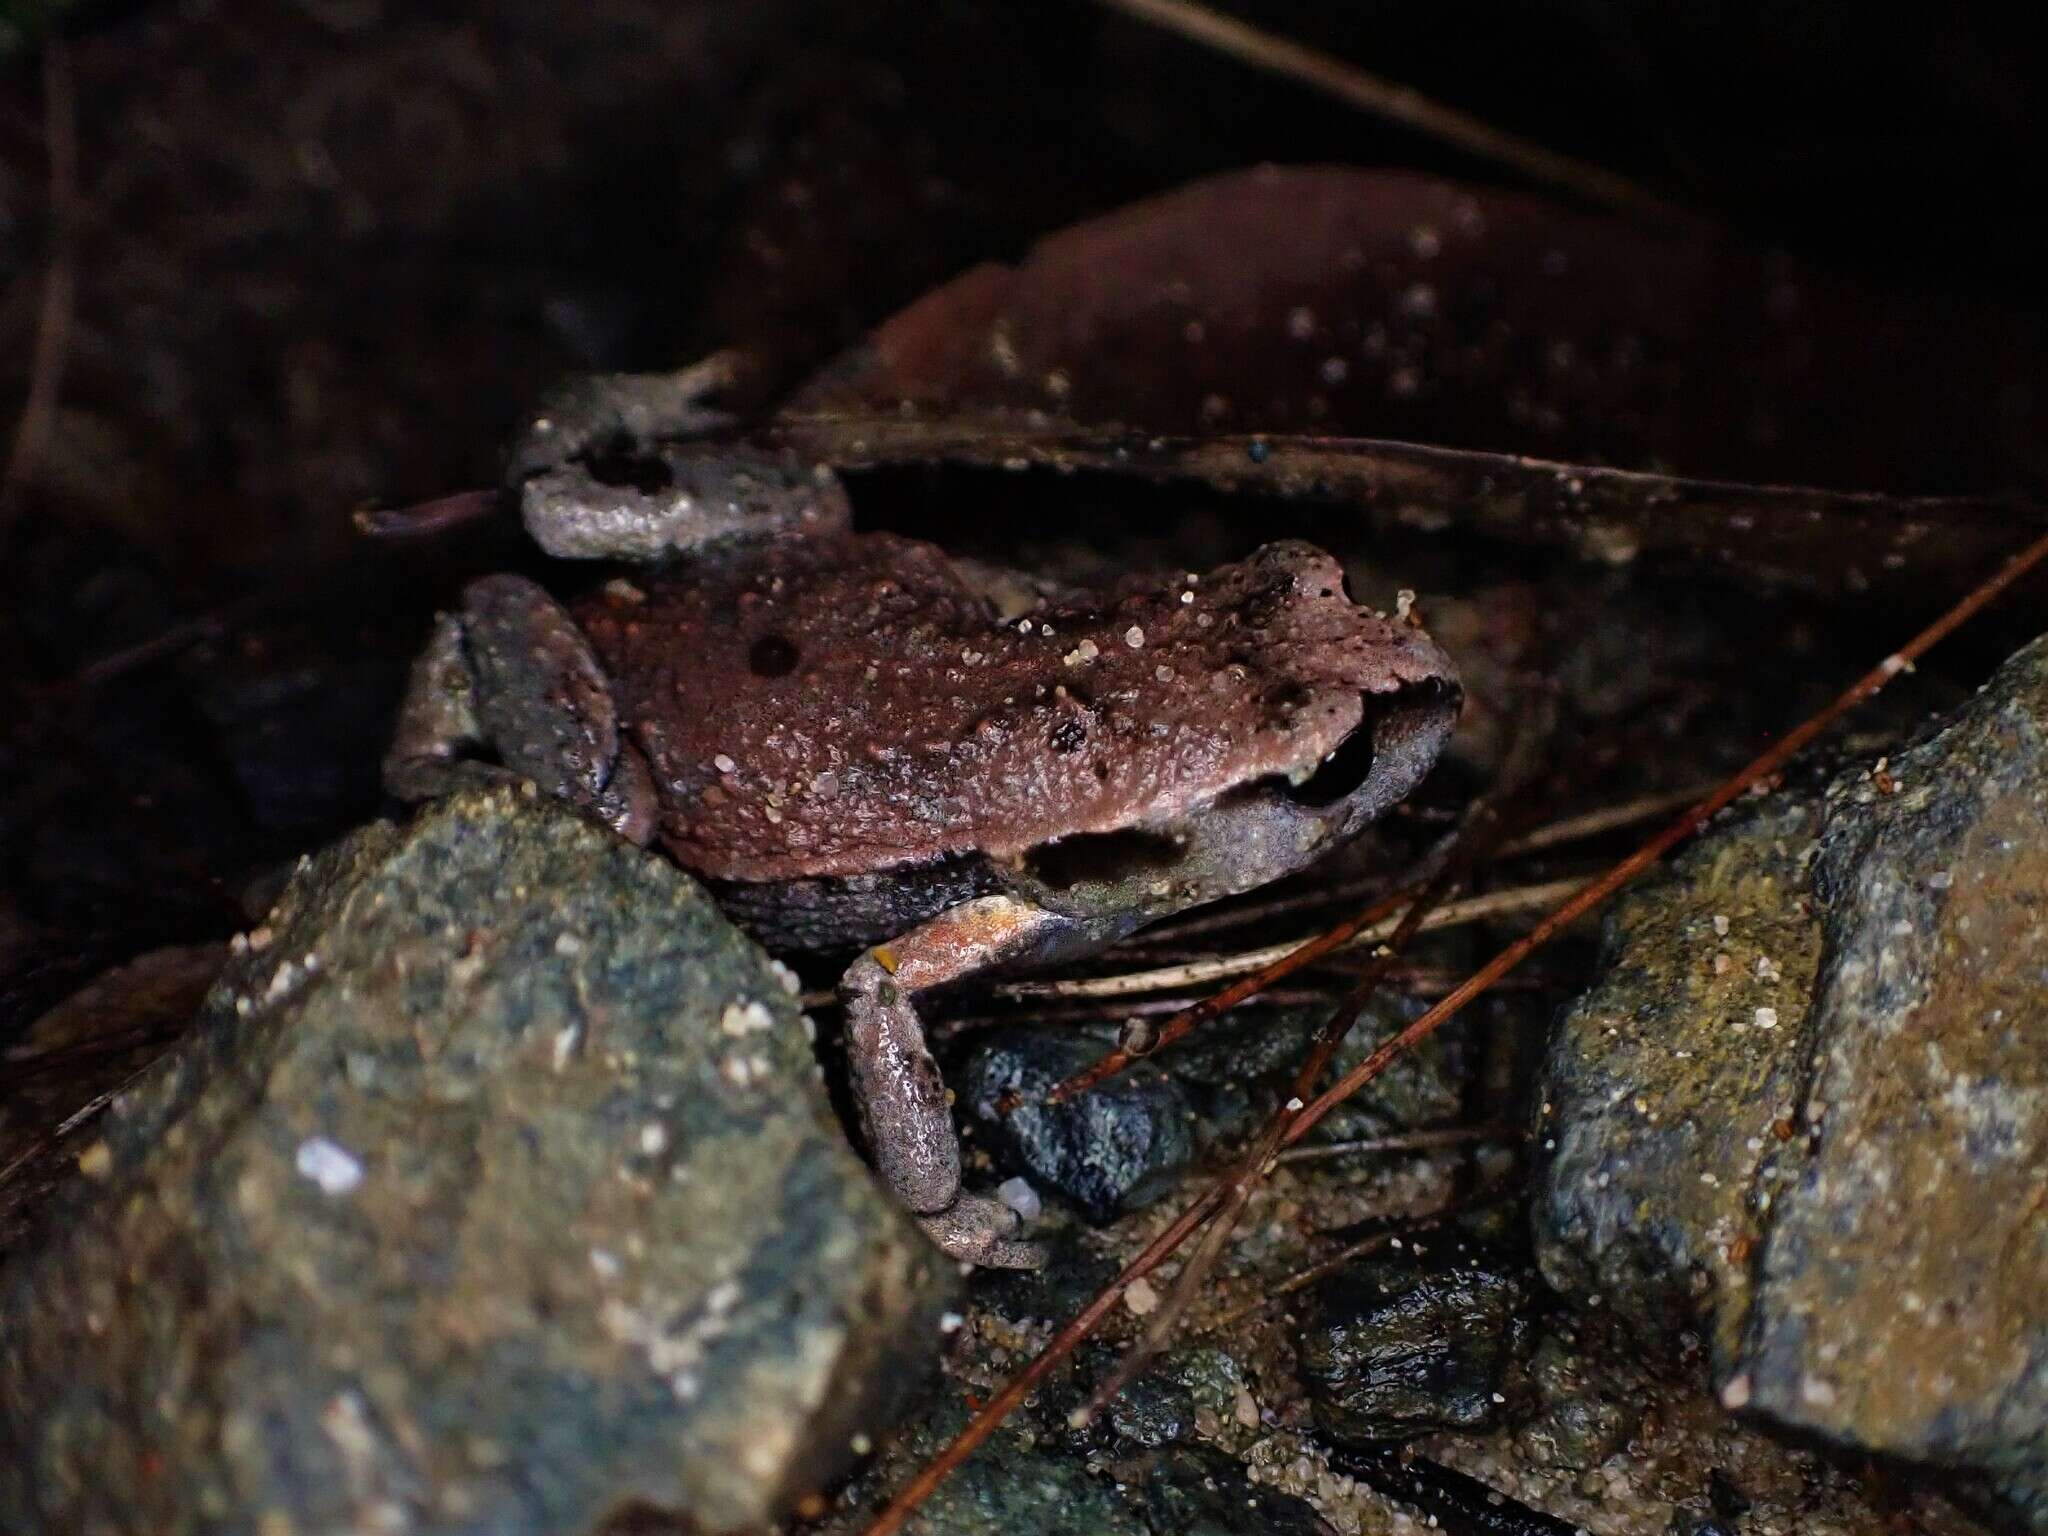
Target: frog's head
x,y
1298,718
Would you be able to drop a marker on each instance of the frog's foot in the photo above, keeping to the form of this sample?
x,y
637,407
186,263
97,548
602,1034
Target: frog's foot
x,y
904,1106
637,466
975,1229
601,411
511,677
655,502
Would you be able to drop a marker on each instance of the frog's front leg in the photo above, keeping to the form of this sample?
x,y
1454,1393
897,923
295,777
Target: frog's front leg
x,y
903,1101
511,677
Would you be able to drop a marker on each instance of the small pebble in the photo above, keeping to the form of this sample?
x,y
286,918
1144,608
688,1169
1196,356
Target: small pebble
x,y
1020,1197
329,1164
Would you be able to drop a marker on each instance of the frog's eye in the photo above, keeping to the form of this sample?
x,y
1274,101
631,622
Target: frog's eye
x,y
1338,774
1398,735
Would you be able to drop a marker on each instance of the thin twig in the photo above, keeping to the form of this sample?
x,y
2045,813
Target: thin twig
x,y
428,519
1250,1169
1122,1012
1299,1280
1480,829
1330,1264
53,318
1407,106
1555,834
1295,952
984,1424
1595,892
1215,919
1291,959
1401,1141
1597,823
73,1121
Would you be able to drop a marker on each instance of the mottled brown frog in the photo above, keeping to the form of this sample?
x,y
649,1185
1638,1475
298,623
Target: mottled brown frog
x,y
856,744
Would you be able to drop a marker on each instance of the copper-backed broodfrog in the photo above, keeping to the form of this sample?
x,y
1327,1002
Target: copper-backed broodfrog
x,y
855,741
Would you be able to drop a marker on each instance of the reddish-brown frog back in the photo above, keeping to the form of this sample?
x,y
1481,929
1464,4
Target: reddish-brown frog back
x,y
838,706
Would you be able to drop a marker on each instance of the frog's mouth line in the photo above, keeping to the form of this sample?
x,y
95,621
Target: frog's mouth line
x,y
1258,833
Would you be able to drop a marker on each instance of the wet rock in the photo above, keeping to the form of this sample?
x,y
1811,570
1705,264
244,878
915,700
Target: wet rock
x,y
1122,1145
1826,1152
1153,1411
1007,1488
494,1190
1421,1339
1241,1065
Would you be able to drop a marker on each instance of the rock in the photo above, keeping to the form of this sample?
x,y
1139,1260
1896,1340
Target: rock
x,y
1580,1422
1193,1492
1024,1480
1414,1341
494,1190
1903,1286
1669,1081
1016,1482
1168,1402
1105,1151
1121,1146
77,1055
1152,1411
1844,1192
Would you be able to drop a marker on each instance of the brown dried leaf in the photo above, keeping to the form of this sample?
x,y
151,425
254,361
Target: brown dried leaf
x,y
1387,305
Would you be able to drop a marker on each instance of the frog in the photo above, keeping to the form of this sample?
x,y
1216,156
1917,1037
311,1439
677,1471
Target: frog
x,y
861,745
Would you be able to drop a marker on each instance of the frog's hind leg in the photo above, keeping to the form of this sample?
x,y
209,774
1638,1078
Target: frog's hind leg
x,y
600,411
631,466
511,677
897,1085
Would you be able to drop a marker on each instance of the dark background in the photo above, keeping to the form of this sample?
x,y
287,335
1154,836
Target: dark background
x,y
326,253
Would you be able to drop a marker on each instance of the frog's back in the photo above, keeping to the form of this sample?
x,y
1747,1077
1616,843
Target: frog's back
x,y
823,707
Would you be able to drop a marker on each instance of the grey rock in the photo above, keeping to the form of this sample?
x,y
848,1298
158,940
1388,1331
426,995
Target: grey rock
x,y
1026,1481
1665,1086
1408,1343
494,1191
1582,1418
1166,1403
1009,1487
1122,1145
1903,1284
1850,1202
1105,1151
1152,1411
1196,1492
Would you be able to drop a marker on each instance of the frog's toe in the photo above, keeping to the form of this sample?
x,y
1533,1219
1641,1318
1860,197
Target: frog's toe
x,y
977,1230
